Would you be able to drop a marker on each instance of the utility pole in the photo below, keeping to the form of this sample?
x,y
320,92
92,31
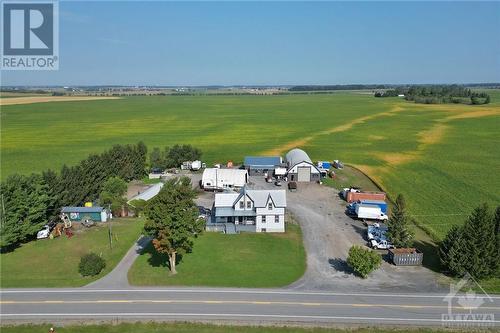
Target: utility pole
x,y
110,232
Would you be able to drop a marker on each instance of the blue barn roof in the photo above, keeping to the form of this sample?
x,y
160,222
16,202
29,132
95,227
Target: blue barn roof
x,y
262,161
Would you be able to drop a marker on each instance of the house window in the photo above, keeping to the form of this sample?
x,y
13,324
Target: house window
x,y
242,205
277,219
263,219
249,204
270,206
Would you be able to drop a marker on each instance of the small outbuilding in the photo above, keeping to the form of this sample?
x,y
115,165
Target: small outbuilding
x,y
257,165
85,213
300,167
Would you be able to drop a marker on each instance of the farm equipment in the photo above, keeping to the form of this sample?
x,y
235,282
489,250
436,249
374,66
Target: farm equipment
x,y
88,223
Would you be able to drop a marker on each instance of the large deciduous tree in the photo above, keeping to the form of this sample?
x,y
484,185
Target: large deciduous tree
x,y
398,229
172,219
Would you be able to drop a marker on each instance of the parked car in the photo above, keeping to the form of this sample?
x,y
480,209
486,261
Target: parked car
x,y
46,230
381,244
375,231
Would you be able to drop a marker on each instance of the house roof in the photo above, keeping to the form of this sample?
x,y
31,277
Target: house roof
x,y
95,209
225,199
262,161
230,211
149,193
259,198
296,155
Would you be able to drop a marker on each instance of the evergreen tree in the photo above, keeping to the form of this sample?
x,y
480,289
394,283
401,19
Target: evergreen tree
x,y
172,219
451,252
398,229
474,247
24,202
156,159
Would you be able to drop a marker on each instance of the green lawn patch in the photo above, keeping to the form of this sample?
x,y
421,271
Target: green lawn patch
x,y
245,260
349,176
54,262
204,328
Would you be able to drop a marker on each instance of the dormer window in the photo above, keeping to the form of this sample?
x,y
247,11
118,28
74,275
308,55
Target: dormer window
x,y
242,205
270,205
249,204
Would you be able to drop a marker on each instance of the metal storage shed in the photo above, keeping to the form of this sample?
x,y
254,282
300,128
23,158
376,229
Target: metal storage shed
x,y
260,164
300,167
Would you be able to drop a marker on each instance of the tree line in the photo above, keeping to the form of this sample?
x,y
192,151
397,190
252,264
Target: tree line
x,y
172,157
29,201
438,94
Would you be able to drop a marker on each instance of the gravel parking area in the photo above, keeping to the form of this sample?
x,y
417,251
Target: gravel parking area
x,y
328,234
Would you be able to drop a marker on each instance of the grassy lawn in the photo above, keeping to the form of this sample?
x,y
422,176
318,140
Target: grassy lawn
x,y
54,263
204,328
349,176
244,260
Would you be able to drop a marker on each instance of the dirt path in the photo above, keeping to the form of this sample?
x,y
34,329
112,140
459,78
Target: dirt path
x,y
45,99
341,128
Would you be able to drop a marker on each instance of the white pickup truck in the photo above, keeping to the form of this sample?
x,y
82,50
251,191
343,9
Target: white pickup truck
x,y
381,244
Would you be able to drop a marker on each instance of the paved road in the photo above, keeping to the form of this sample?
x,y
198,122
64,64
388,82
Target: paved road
x,y
248,305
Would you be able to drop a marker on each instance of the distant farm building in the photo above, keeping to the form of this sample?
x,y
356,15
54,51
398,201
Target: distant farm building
x,y
85,213
301,167
257,165
220,179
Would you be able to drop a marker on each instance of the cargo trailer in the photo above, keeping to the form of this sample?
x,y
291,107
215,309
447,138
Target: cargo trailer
x,y
352,196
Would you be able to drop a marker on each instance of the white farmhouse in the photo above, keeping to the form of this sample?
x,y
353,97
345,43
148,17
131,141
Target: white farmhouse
x,y
220,179
251,210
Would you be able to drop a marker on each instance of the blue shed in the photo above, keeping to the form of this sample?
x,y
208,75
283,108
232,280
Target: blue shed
x,y
81,213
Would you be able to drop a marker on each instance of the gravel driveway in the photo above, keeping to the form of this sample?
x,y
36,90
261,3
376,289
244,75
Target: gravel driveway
x,y
328,234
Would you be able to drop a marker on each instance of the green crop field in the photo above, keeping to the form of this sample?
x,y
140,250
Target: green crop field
x,y
444,158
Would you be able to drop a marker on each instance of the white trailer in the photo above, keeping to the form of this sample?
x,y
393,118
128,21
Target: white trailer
x,y
221,179
370,212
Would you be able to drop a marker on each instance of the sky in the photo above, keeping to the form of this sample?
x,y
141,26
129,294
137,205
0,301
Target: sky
x,y
272,43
